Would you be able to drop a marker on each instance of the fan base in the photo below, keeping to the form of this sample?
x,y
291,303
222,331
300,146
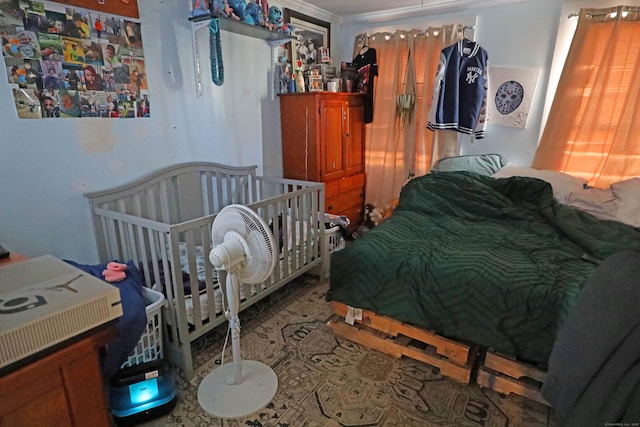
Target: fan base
x,y
224,400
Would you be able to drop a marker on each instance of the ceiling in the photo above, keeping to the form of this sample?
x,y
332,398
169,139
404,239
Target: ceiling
x,y
358,7
346,8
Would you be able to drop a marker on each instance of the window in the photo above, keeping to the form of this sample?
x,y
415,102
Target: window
x,y
593,127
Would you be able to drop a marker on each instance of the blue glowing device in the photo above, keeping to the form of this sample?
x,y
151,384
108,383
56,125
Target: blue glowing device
x,y
142,392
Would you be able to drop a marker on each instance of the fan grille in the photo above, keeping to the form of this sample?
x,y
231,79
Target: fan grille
x,y
256,238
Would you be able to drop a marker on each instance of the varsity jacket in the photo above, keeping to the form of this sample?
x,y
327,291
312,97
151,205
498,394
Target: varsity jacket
x,y
460,92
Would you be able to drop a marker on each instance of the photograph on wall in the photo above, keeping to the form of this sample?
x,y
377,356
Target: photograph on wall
x,y
311,34
27,104
511,93
62,61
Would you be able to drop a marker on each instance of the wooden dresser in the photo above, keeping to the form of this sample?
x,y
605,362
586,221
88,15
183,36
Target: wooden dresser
x,y
323,139
61,386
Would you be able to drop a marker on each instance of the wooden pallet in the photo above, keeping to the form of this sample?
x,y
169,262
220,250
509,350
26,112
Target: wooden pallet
x,y
455,360
506,375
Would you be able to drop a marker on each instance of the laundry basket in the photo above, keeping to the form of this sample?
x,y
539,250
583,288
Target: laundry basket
x,y
333,242
145,387
149,346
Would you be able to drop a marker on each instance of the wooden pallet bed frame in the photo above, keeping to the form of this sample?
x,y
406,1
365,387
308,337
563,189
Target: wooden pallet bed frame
x,y
454,359
509,376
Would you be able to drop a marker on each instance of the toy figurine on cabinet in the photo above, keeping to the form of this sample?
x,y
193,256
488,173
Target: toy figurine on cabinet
x,y
284,70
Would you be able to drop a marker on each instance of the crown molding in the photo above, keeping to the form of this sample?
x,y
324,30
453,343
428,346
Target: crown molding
x,y
435,7
311,10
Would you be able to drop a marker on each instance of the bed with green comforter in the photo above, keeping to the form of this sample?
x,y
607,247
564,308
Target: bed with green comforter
x,y
495,262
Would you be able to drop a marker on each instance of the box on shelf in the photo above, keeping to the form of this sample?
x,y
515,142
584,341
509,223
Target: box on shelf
x,y
327,72
315,83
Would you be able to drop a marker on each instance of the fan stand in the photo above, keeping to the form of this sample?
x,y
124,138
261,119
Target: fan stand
x,y
240,388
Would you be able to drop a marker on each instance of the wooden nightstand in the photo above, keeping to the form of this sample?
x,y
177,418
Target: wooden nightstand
x,y
64,388
59,386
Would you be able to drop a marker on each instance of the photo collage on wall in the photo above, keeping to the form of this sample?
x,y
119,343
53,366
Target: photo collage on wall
x,y
69,62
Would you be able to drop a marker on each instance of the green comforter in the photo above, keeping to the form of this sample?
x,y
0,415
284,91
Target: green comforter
x,y
496,262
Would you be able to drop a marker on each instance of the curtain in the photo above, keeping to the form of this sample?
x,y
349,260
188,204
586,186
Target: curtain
x,y
399,148
385,139
431,146
594,120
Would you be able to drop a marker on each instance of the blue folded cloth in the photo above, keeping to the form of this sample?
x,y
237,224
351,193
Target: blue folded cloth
x,y
134,316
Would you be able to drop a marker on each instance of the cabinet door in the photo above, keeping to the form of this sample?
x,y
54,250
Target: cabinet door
x,y
333,114
301,152
354,142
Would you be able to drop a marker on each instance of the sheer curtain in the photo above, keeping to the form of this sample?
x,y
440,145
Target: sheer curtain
x,y
594,122
431,146
399,148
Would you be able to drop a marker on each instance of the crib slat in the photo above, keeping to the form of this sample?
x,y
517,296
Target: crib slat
x,y
190,200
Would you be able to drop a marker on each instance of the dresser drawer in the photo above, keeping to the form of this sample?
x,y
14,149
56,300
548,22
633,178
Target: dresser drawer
x,y
342,185
332,188
345,196
350,182
344,201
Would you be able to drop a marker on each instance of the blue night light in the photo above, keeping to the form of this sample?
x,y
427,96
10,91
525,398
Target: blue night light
x,y
143,391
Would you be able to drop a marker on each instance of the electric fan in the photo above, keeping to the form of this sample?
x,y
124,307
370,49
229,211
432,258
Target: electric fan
x,y
244,247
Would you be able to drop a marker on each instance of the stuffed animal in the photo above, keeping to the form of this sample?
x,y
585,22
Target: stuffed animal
x,y
274,18
368,219
239,9
389,211
286,29
254,14
375,215
220,8
264,6
200,7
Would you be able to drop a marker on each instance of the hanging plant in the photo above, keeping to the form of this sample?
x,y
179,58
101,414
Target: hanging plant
x,y
404,108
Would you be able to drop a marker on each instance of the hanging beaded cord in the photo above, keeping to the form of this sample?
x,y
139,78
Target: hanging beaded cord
x,y
215,51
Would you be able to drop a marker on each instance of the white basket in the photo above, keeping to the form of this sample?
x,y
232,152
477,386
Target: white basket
x,y
149,346
333,241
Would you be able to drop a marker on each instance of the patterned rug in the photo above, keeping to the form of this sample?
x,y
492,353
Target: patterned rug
x,y
325,381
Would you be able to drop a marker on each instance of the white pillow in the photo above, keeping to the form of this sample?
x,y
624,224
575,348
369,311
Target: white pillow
x,y
561,183
620,202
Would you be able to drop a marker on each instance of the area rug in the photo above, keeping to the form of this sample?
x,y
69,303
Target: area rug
x,y
327,381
